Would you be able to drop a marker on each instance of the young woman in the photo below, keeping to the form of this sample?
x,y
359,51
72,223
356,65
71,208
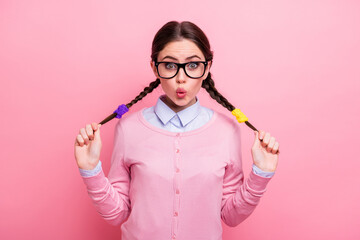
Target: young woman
x,y
176,167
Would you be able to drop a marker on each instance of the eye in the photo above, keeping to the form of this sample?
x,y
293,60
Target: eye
x,y
193,65
170,66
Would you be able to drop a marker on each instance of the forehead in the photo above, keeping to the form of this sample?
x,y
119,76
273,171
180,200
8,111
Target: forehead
x,y
181,50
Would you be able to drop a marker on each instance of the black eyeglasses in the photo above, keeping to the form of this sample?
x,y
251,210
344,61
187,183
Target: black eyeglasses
x,y
194,69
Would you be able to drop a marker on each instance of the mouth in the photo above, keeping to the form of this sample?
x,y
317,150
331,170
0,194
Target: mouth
x,y
181,93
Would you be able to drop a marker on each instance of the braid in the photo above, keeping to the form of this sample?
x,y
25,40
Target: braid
x,y
124,108
209,85
146,90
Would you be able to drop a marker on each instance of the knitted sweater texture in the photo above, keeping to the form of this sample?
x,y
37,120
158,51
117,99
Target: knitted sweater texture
x,y
175,185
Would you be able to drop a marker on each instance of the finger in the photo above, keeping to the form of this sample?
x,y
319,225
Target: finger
x,y
97,132
84,136
261,135
266,140
271,144
275,148
94,126
89,131
256,140
80,140
76,142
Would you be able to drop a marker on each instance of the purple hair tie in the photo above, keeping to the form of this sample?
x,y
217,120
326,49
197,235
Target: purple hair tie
x,y
121,110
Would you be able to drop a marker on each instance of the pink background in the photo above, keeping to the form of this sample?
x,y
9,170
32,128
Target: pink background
x,y
291,66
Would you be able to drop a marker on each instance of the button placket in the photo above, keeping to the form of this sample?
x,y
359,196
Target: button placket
x,y
177,172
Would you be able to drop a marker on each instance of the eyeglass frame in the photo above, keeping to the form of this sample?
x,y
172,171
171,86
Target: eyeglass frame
x,y
182,65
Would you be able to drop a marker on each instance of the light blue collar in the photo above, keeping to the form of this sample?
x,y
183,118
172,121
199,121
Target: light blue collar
x,y
165,113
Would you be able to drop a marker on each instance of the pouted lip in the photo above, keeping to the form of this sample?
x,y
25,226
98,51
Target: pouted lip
x,y
180,90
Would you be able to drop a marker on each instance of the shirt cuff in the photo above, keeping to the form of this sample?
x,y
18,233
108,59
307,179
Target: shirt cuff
x,y
256,184
92,172
262,173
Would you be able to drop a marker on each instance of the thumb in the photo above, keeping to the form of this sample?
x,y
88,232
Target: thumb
x,y
97,132
256,140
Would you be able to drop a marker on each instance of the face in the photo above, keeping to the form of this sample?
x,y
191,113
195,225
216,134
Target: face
x,y
180,52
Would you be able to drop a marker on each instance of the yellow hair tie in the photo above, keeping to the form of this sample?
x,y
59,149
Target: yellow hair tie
x,y
239,115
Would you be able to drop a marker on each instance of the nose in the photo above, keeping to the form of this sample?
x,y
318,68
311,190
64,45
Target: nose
x,y
181,76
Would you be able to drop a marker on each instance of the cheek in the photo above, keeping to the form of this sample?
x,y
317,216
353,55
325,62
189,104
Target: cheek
x,y
166,86
196,86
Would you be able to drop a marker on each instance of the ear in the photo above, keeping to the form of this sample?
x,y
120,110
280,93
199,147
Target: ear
x,y
210,64
208,68
153,67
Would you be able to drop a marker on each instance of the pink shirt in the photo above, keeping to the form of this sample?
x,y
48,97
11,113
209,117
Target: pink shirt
x,y
169,185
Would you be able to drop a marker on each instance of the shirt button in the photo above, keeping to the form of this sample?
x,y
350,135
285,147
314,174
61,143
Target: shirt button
x,y
178,134
177,191
177,170
176,214
177,150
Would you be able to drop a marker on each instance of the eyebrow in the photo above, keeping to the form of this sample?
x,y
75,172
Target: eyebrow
x,y
177,59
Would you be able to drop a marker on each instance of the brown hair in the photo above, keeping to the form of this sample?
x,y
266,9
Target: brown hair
x,y
174,31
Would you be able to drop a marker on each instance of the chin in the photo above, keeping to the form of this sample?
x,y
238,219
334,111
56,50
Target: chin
x,y
182,101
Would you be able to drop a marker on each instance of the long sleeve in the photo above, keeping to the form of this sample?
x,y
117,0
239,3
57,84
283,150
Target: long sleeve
x,y
240,195
110,194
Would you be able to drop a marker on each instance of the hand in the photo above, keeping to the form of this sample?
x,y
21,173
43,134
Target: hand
x,y
88,146
265,151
